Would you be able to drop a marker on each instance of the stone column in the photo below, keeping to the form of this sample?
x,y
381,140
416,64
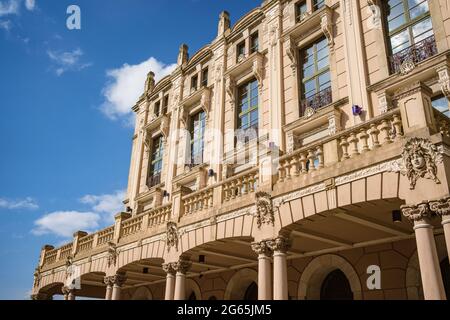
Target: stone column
x,y
170,280
118,281
430,271
181,268
264,275
71,295
109,281
442,208
280,246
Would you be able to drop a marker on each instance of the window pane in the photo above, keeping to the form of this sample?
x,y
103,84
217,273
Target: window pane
x,y
396,23
441,104
400,41
422,30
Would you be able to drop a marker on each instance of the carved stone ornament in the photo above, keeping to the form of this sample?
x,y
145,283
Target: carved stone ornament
x,y
262,248
182,266
169,268
384,102
290,51
164,127
172,236
327,28
420,157
146,139
258,72
69,261
444,80
119,279
280,244
205,102
264,209
113,253
416,212
441,207
183,116
108,281
230,87
309,112
407,66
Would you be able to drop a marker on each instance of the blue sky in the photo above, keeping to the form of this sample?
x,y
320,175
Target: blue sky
x,y
65,99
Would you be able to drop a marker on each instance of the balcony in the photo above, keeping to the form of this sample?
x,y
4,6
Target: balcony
x,y
154,180
311,105
404,61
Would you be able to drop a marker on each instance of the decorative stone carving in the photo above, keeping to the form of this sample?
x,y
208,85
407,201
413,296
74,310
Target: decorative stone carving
x,y
327,28
309,112
407,66
444,80
119,279
109,281
332,125
205,102
273,35
66,290
183,116
146,139
182,266
169,268
172,236
69,261
264,209
113,253
416,212
258,70
374,22
183,56
224,23
290,51
230,88
420,157
441,207
280,244
262,248
164,127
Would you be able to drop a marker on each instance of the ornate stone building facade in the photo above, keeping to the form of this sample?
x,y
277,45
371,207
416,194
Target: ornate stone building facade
x,y
301,155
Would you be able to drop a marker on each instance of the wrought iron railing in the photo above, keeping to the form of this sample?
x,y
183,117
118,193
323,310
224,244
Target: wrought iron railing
x,y
154,180
316,102
413,55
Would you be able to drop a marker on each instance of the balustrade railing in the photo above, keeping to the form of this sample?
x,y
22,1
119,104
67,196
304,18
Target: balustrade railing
x,y
65,251
132,226
86,243
159,215
240,185
50,256
105,236
198,201
351,143
414,54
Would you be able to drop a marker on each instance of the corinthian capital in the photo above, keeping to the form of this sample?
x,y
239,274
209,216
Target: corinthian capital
x,y
280,244
169,268
263,248
441,207
109,281
182,266
416,212
119,279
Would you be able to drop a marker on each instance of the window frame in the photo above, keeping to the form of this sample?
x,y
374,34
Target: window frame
x,y
199,116
157,149
239,113
254,48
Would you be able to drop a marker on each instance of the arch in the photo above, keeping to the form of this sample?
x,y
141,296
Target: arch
x,y
52,289
254,14
193,287
239,283
142,293
318,269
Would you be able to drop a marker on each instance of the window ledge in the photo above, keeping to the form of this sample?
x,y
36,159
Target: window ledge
x,y
246,64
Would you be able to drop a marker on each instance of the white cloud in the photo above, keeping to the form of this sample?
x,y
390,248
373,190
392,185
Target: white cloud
x,y
30,4
9,7
65,223
5,25
126,84
67,61
27,203
110,204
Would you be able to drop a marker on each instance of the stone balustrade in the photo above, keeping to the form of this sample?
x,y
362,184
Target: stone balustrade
x,y
65,251
86,243
159,215
240,185
342,146
105,236
132,226
198,201
50,256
